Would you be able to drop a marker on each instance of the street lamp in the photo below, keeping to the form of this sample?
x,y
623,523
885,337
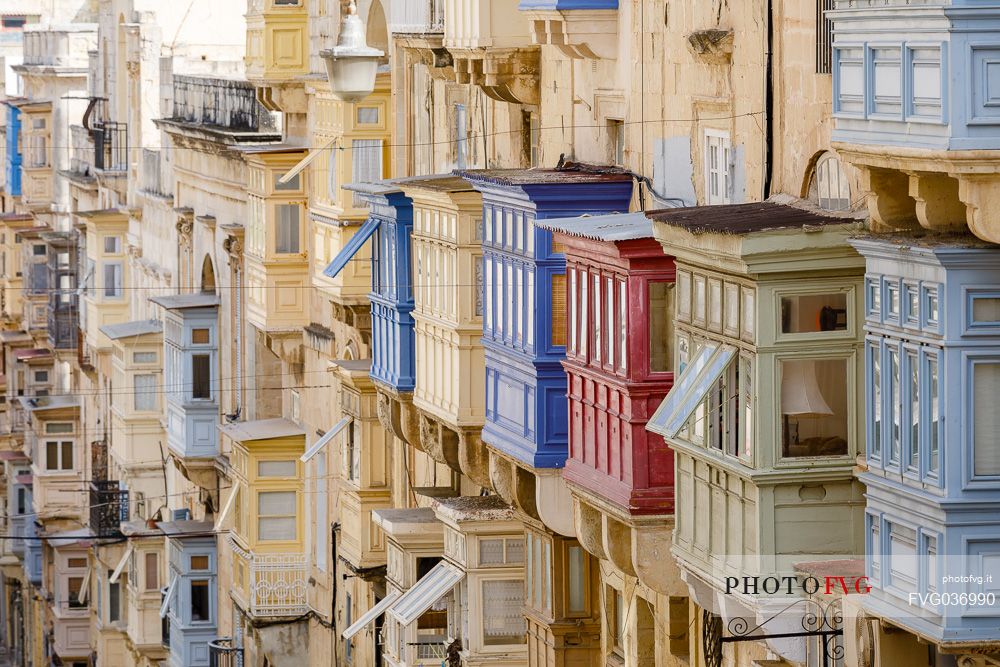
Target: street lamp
x,y
351,66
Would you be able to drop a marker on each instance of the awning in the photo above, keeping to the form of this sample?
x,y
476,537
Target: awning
x,y
167,595
371,614
351,249
121,564
327,437
435,584
696,381
227,508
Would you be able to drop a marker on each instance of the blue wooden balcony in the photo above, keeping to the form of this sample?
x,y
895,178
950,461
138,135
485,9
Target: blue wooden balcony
x,y
524,323
389,226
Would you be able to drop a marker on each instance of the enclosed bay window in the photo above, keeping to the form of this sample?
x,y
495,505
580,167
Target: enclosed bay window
x,y
813,407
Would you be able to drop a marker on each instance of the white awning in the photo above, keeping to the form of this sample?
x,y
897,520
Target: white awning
x,y
121,564
435,584
371,614
305,162
171,592
691,389
327,437
227,508
85,586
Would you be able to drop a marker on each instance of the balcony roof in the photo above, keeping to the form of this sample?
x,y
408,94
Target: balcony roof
x,y
131,329
8,455
572,174
745,219
402,523
262,429
41,403
186,528
15,217
184,301
15,336
75,538
29,106
104,215
611,228
32,353
473,508
439,183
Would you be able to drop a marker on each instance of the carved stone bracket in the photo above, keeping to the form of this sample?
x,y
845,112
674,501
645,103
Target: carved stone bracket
x,y
398,416
713,45
505,75
590,34
473,457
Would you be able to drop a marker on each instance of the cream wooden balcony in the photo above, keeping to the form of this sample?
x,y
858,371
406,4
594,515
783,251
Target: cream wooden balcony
x,y
269,585
276,254
351,146
277,48
448,299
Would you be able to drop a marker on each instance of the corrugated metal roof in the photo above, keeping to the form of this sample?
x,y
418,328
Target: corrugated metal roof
x,y
129,329
182,301
262,429
614,227
742,219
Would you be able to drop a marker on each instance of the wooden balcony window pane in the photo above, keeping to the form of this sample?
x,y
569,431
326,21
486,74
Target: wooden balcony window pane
x,y
201,376
559,310
660,326
152,571
814,407
200,603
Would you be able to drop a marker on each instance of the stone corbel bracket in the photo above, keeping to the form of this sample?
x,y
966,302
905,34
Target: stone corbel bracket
x,y
712,45
587,34
506,75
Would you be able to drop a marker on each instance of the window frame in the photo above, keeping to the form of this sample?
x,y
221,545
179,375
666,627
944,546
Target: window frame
x,y
714,138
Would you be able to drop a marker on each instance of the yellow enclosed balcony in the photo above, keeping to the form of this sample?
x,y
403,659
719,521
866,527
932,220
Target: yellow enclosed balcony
x,y
277,265
268,538
277,40
448,299
104,278
352,141
57,455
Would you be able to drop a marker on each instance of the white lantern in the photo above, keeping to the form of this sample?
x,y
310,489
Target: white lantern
x,y
351,66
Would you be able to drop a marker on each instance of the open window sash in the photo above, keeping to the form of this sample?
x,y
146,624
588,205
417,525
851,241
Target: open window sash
x,y
371,614
227,508
325,440
691,389
171,592
121,565
85,586
348,252
432,587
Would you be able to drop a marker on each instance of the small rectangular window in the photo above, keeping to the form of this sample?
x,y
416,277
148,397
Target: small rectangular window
x,y
286,229
616,141
200,563
201,336
986,309
892,300
200,600
201,376
367,115
73,587
558,309
144,392
294,183
41,376
112,245
152,565
144,357
812,313
113,279
276,469
717,169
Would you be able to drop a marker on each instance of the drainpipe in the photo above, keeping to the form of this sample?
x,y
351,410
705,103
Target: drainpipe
x,y
768,99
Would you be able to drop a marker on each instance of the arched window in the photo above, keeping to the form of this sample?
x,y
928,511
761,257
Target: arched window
x,y
207,276
829,188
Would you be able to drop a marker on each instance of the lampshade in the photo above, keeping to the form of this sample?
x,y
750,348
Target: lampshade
x,y
351,66
800,392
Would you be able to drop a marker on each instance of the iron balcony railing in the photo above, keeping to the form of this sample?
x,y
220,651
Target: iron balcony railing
x,y
111,147
222,653
108,507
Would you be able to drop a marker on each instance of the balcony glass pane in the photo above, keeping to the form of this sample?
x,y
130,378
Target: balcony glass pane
x,y
986,419
503,622
201,376
811,313
200,600
814,407
286,229
276,469
660,326
576,575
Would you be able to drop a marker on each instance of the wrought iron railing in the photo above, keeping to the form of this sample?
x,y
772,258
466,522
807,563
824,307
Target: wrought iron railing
x,y
276,583
111,147
222,653
108,507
